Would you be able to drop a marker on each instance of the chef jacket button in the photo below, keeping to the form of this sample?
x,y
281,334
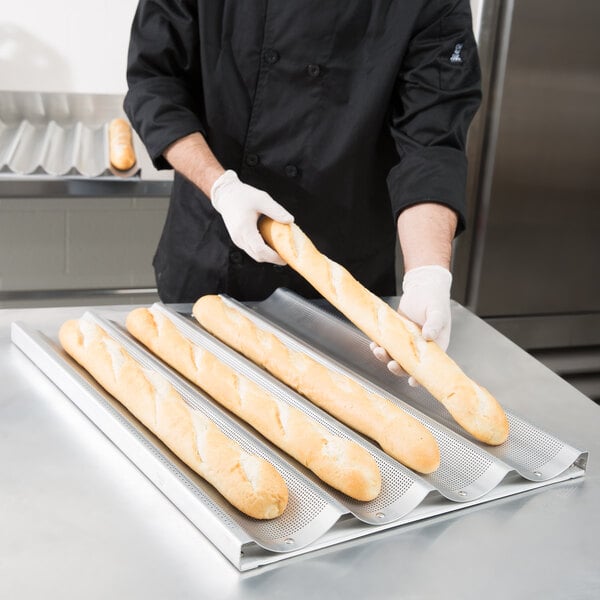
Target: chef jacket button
x,y
251,160
313,70
271,56
291,170
236,257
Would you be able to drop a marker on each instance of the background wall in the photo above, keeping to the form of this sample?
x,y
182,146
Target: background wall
x,y
51,249
65,45
71,250
72,45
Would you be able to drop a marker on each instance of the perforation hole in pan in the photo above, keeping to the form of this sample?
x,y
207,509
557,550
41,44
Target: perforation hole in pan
x,y
527,455
536,454
397,476
305,503
466,472
463,468
527,446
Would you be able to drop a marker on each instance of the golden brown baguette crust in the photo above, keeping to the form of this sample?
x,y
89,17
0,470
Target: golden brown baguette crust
x,y
339,462
120,144
471,405
249,482
399,434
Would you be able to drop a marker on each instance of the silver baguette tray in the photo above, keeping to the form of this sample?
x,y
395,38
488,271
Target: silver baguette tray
x,y
61,150
317,516
59,135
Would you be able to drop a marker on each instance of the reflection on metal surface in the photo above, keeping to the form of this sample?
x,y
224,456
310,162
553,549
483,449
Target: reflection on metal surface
x,y
493,40
58,134
530,261
76,297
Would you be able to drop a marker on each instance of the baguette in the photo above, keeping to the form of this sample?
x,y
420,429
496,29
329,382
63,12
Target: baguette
x,y
341,463
120,145
471,405
248,482
399,434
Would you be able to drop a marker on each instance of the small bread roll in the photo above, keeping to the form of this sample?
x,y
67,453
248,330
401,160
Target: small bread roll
x,y
120,143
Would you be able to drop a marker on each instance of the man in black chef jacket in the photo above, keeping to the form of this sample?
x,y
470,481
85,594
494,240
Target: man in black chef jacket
x,y
351,116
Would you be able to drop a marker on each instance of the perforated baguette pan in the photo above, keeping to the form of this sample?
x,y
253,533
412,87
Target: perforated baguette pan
x,y
310,511
401,489
65,150
466,471
533,453
316,517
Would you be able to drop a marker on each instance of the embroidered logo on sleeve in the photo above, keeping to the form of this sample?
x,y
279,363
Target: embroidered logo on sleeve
x,y
456,58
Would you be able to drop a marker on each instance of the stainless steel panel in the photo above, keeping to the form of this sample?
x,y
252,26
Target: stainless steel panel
x,y
537,246
37,186
492,38
535,332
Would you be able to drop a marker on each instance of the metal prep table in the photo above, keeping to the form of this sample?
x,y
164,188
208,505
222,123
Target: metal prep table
x,y
78,520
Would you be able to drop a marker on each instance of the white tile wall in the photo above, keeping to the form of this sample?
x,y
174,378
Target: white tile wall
x,y
73,45
78,243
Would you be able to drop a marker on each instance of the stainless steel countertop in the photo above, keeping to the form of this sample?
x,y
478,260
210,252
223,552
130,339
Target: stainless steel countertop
x,y
78,520
82,187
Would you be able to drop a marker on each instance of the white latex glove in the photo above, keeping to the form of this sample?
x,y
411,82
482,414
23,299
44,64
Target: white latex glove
x,y
426,301
241,206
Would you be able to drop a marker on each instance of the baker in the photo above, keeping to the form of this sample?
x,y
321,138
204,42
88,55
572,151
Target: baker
x,y
348,117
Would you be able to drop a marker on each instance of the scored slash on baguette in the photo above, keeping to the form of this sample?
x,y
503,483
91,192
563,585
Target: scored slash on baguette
x,y
471,405
339,462
399,434
248,482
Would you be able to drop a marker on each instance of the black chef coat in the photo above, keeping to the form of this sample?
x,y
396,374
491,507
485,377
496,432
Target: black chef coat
x,y
346,112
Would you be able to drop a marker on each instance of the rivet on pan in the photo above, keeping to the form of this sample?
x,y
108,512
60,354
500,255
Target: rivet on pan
x,y
462,493
537,473
380,515
289,541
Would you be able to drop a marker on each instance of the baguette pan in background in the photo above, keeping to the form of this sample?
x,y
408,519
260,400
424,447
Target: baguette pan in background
x,y
399,434
120,145
471,405
341,463
249,482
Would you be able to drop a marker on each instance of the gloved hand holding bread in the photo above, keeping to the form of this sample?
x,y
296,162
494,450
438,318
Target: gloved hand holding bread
x,y
471,405
241,206
425,301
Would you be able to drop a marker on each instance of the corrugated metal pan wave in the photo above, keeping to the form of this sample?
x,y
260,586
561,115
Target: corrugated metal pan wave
x,y
38,139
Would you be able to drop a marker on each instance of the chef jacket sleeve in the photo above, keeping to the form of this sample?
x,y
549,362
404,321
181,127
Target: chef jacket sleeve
x,y
163,75
436,94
